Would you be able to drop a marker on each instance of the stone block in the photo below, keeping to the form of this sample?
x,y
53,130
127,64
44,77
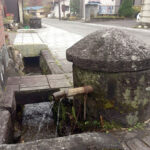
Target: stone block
x,y
5,127
33,81
66,66
13,80
9,97
30,50
85,141
58,81
117,66
55,68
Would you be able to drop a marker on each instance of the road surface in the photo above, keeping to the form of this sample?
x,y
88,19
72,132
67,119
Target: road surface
x,y
84,29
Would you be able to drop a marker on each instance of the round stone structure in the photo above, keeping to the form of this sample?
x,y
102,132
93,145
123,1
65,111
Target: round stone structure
x,y
118,67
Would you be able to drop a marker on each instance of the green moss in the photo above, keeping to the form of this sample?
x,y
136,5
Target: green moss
x,y
108,105
126,96
122,93
132,118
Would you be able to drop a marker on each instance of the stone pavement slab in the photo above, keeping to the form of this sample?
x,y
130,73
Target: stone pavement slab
x,y
136,144
29,44
33,81
58,81
30,84
147,140
13,80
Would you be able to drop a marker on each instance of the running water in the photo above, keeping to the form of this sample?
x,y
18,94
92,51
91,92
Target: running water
x,y
58,113
38,121
41,125
44,117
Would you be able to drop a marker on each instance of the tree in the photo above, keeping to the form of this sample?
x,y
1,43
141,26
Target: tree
x,y
126,9
75,6
47,9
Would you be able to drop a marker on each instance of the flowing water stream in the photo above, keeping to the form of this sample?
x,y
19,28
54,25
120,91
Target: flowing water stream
x,y
37,121
58,113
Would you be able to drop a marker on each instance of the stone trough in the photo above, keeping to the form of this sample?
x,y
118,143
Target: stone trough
x,y
26,90
118,67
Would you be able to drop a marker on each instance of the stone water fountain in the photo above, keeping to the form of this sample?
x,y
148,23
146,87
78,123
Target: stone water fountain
x,y
117,66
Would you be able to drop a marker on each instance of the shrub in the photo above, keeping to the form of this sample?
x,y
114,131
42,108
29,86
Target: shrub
x,y
136,9
27,19
126,9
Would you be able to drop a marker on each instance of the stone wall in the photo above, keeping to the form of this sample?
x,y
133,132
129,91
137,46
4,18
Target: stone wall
x,y
4,58
2,36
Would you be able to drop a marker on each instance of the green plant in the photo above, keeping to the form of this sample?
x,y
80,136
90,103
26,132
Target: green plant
x,y
74,113
27,19
75,6
110,126
126,9
136,10
137,126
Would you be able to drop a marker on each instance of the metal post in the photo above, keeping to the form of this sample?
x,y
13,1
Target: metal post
x,y
59,9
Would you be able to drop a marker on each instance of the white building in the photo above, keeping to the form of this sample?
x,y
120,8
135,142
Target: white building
x,y
145,12
64,8
109,6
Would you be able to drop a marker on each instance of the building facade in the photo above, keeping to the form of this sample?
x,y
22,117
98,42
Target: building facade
x,y
145,12
15,9
64,8
2,34
36,11
12,8
4,58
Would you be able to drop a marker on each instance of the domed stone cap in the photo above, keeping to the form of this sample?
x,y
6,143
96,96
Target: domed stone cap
x,y
110,50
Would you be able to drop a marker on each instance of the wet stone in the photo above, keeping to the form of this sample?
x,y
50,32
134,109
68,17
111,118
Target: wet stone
x,y
38,121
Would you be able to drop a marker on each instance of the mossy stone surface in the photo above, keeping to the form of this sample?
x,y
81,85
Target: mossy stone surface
x,y
120,97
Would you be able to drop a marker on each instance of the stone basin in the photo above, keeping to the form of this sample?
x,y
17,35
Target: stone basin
x,y
117,65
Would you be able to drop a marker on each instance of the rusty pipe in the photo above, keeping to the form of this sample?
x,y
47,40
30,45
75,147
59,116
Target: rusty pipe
x,y
73,92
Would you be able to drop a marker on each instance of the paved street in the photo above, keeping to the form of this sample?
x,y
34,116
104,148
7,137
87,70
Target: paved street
x,y
84,29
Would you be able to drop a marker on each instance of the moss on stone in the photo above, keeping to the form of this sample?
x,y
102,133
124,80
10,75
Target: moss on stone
x,y
119,95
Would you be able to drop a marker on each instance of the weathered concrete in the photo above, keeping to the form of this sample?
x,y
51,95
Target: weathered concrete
x,y
32,84
48,64
110,50
85,141
30,50
9,98
29,44
36,82
61,81
117,67
5,127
